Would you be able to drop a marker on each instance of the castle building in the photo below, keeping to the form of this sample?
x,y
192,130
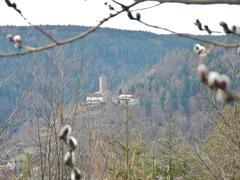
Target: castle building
x,y
103,84
131,99
99,97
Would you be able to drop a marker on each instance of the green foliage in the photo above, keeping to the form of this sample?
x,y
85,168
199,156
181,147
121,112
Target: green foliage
x,y
132,90
142,165
146,103
27,166
222,149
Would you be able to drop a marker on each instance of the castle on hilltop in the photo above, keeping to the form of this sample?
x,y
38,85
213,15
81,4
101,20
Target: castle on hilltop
x,y
99,97
103,95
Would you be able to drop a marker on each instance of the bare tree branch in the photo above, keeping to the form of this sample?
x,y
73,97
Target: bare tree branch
x,y
56,43
200,2
12,117
193,37
146,8
3,82
208,165
29,50
14,6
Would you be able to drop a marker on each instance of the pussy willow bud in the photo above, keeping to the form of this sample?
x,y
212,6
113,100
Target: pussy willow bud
x,y
76,174
213,79
221,96
199,49
223,82
198,24
69,159
65,132
207,29
236,29
72,143
17,39
225,27
138,16
202,73
10,37
110,7
18,45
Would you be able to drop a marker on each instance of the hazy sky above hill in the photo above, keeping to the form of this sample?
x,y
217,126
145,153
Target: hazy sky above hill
x,y
177,17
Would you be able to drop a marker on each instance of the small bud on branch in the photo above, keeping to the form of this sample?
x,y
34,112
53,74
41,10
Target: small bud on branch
x,y
225,27
65,132
69,159
17,39
72,143
213,79
198,24
138,16
18,45
236,30
207,29
10,37
76,174
202,73
199,49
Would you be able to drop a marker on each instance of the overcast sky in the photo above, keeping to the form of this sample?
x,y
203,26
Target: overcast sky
x,y
177,17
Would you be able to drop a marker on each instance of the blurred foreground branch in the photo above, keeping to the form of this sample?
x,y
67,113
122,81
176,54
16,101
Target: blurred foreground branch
x,y
28,50
200,2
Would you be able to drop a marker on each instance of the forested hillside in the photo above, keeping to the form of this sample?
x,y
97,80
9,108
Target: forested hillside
x,y
171,88
159,68
117,54
176,124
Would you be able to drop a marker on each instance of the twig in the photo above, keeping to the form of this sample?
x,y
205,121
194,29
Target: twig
x,y
211,169
14,6
146,8
12,117
189,36
199,2
204,27
3,82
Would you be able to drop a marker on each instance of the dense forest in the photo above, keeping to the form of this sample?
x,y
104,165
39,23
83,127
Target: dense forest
x,y
115,53
175,111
